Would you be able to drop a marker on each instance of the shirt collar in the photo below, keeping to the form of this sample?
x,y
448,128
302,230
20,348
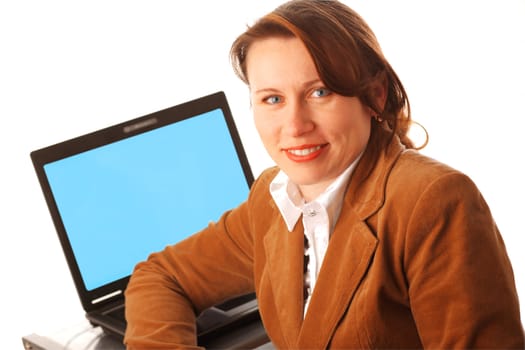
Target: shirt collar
x,y
290,202
288,199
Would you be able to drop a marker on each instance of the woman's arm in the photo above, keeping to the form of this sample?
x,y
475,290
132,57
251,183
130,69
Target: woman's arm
x,y
461,284
166,292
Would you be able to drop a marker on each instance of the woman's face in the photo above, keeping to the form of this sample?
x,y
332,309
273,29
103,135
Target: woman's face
x,y
311,133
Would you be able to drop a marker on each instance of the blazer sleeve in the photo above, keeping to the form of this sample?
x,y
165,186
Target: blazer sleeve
x,y
166,292
461,284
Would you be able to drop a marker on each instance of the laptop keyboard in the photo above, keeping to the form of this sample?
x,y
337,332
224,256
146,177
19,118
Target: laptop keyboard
x,y
117,313
232,303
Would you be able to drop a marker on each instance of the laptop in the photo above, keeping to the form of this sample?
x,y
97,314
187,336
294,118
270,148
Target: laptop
x,y
120,193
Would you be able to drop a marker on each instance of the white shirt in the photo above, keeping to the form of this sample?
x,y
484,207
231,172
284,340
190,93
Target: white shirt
x,y
319,217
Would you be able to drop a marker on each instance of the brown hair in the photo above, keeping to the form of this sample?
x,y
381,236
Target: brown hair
x,y
347,56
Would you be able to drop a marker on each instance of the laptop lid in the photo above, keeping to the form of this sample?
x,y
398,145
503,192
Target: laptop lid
x,y
118,194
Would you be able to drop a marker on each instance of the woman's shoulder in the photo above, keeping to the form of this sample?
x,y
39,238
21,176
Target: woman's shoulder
x,y
419,180
267,175
261,185
419,167
416,172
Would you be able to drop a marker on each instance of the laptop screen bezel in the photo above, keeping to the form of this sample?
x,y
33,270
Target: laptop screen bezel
x,y
109,135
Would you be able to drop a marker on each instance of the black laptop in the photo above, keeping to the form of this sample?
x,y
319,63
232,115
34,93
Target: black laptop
x,y
120,193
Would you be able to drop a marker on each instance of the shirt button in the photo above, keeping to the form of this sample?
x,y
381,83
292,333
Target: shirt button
x,y
312,213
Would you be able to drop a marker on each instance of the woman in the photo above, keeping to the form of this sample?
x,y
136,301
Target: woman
x,y
400,250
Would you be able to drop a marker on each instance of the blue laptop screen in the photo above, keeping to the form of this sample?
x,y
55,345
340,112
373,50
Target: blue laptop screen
x,y
122,201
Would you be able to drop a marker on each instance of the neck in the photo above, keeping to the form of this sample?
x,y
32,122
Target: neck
x,y
311,192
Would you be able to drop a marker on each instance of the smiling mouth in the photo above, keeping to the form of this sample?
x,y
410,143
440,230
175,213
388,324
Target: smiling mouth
x,y
303,152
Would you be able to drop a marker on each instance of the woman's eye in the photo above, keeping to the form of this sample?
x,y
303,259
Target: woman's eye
x,y
273,100
321,92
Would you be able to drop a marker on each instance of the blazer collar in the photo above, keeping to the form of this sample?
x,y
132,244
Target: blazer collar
x,y
366,189
352,247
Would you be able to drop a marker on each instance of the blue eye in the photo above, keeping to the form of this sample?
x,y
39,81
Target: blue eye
x,y
321,92
273,100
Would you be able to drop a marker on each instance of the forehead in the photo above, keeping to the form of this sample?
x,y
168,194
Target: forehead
x,y
278,60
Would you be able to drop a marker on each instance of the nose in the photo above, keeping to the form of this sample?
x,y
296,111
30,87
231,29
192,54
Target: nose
x,y
298,119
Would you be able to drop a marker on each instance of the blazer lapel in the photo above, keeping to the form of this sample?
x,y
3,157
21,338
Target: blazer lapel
x,y
351,249
349,254
285,254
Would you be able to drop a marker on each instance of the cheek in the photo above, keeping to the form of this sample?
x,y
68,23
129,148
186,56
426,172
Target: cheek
x,y
363,131
265,129
359,131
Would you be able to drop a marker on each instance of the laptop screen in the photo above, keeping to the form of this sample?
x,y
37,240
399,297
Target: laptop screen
x,y
121,201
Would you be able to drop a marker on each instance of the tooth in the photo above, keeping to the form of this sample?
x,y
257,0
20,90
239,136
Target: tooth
x,y
304,152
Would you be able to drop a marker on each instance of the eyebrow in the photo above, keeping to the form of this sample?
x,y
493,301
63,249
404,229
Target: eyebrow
x,y
304,85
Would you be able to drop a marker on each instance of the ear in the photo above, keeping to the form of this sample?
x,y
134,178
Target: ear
x,y
380,91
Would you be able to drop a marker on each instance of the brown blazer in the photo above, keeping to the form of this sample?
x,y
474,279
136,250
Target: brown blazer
x,y
415,261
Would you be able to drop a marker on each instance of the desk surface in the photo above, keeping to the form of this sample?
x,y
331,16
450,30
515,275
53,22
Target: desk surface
x,y
84,336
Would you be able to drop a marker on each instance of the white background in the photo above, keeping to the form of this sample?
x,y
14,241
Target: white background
x,y
71,67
